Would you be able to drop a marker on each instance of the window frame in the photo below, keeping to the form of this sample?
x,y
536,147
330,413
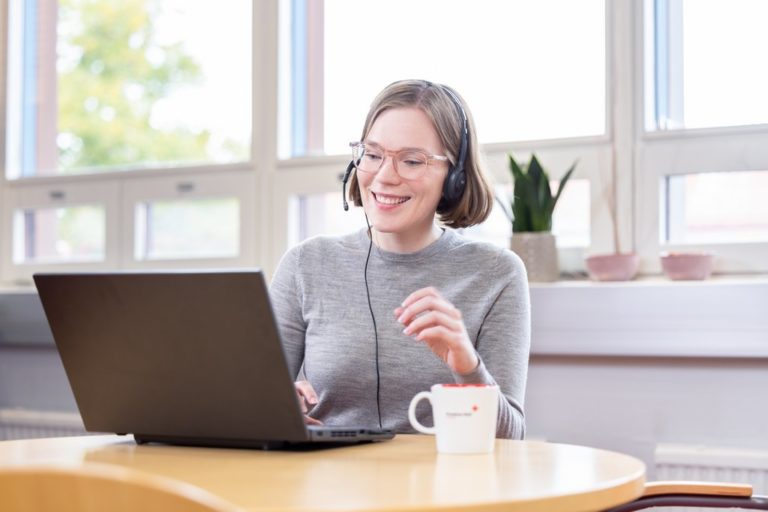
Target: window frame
x,y
230,184
268,183
669,151
119,189
25,195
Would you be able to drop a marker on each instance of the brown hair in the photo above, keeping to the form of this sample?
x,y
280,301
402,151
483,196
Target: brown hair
x,y
475,204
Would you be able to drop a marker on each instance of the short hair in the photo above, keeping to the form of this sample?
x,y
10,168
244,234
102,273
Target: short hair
x,y
475,204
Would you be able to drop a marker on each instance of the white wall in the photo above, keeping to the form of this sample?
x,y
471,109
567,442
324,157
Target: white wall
x,y
629,404
625,366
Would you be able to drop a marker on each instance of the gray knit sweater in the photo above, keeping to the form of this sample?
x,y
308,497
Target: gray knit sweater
x,y
319,297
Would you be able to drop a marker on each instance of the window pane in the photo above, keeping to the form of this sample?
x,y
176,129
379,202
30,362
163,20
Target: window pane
x,y
570,221
321,214
709,64
716,208
520,82
197,228
725,77
59,235
99,85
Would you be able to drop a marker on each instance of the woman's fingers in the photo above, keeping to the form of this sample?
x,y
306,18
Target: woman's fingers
x,y
434,318
420,293
307,395
306,391
424,305
307,398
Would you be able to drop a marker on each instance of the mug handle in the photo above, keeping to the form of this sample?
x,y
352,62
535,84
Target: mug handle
x,y
412,412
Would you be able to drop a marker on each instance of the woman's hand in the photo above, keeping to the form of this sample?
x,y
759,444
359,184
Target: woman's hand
x,y
431,319
307,399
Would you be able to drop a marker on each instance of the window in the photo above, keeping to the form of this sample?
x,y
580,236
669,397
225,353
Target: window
x,y
190,221
59,235
101,97
708,67
99,85
180,229
702,163
520,82
716,208
136,136
321,214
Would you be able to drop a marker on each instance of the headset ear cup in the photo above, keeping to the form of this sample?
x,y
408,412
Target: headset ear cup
x,y
460,183
453,189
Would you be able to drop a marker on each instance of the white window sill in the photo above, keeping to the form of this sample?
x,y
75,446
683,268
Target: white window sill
x,y
653,317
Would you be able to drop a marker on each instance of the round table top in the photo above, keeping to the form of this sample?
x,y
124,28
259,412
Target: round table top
x,y
405,473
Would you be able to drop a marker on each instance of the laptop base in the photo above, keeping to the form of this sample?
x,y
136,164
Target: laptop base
x,y
321,438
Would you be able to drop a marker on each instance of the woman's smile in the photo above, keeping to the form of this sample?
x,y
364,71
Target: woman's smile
x,y
388,201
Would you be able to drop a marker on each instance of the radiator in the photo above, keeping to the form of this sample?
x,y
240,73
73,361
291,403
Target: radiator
x,y
26,424
710,463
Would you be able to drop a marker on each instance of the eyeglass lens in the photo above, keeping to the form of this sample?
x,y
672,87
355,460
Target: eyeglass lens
x,y
408,164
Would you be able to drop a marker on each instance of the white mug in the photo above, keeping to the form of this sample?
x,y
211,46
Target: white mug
x,y
465,416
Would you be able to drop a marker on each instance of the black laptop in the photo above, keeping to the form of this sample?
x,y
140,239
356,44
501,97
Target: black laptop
x,y
188,358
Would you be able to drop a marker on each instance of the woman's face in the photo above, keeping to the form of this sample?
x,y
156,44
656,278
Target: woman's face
x,y
395,205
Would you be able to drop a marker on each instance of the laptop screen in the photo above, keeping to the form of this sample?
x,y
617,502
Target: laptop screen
x,y
175,356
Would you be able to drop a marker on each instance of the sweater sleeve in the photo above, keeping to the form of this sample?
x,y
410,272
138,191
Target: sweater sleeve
x,y
287,302
503,346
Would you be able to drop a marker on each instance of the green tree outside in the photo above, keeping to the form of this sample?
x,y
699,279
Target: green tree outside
x,y
112,69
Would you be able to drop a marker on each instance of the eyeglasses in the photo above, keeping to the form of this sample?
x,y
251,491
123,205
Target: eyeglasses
x,y
409,164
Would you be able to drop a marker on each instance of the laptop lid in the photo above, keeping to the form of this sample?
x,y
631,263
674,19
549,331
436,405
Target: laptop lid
x,y
179,357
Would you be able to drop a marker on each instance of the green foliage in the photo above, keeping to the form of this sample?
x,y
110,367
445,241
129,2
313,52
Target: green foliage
x,y
112,72
533,202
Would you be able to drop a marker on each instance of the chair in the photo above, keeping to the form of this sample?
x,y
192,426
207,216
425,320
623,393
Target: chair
x,y
695,494
99,487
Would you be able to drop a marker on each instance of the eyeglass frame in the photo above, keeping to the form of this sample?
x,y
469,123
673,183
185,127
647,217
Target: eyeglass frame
x,y
430,157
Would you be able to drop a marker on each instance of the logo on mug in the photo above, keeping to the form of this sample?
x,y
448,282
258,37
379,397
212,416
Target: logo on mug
x,y
452,414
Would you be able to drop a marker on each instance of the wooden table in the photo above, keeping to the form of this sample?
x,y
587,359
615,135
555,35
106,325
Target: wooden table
x,y
403,474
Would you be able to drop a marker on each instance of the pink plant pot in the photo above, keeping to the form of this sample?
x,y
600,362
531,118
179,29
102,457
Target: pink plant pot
x,y
686,265
613,267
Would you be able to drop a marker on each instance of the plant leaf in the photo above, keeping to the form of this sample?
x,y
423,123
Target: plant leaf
x,y
520,205
541,182
521,221
517,172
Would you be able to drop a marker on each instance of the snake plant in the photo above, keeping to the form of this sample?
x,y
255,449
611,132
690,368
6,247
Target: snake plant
x,y
533,202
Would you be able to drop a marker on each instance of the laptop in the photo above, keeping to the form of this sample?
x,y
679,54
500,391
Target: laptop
x,y
190,358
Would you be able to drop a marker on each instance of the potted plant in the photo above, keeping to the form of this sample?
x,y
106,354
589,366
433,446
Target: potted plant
x,y
531,217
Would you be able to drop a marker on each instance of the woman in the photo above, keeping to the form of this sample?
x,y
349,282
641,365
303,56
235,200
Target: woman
x,y
371,318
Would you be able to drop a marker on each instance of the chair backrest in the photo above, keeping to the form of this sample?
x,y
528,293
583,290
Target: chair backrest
x,y
98,487
659,495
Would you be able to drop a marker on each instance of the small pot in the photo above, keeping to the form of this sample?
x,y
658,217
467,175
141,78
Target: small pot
x,y
613,267
687,265
539,254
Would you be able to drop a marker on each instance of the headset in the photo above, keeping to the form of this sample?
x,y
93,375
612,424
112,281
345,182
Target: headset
x,y
453,189
455,181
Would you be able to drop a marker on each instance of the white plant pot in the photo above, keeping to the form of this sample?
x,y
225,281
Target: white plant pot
x,y
539,254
